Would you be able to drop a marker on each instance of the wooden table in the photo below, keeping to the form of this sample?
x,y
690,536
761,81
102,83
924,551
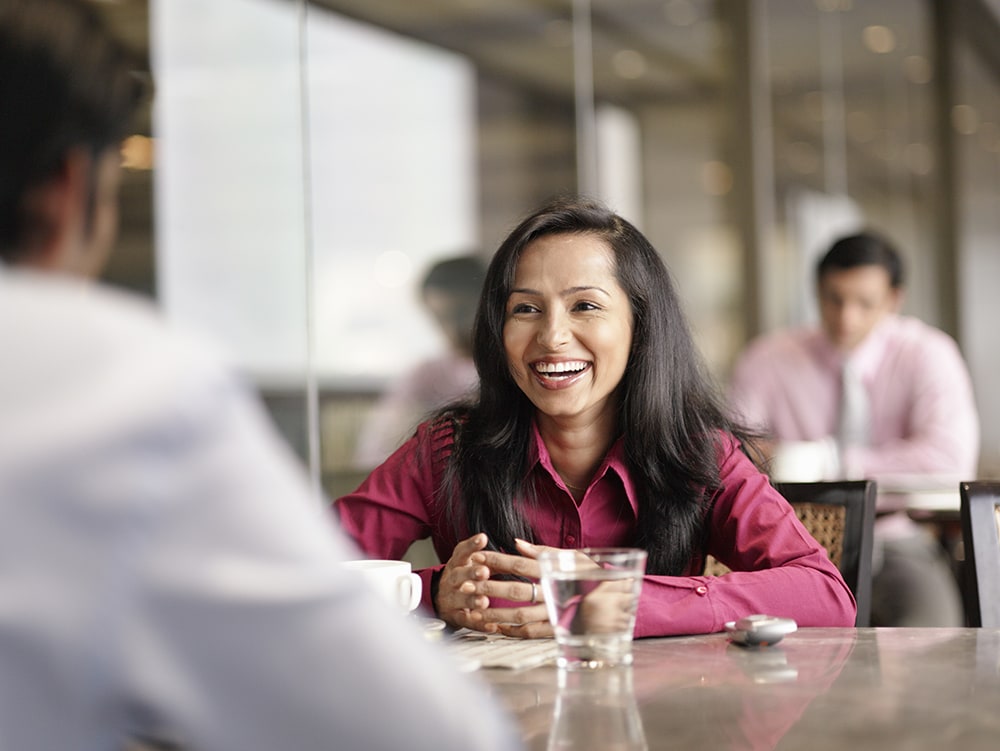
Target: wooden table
x,y
819,689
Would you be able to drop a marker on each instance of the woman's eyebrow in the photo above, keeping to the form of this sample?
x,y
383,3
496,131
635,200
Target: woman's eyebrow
x,y
585,288
564,293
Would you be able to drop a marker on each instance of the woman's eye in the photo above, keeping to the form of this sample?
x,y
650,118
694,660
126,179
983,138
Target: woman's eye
x,y
583,305
523,307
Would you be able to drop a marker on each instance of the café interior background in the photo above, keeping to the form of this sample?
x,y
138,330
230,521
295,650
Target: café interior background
x,y
302,163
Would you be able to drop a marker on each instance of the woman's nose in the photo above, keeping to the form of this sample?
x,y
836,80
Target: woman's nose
x,y
554,331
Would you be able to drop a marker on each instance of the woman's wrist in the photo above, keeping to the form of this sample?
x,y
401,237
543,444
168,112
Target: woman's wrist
x,y
435,583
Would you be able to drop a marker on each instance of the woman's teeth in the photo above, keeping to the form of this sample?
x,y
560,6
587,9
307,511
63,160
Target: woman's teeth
x,y
559,369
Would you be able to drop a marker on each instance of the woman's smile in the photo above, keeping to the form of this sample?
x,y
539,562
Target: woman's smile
x,y
557,375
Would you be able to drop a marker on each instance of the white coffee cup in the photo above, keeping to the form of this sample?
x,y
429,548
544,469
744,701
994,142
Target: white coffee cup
x,y
393,581
804,461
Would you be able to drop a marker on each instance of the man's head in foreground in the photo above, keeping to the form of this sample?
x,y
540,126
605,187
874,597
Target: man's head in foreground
x,y
68,93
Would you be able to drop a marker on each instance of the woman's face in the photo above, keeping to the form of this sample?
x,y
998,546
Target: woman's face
x,y
568,326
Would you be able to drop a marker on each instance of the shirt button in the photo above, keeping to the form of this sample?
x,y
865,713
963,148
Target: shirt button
x,y
702,590
570,540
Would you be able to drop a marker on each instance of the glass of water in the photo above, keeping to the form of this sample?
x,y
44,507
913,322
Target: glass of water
x,y
592,595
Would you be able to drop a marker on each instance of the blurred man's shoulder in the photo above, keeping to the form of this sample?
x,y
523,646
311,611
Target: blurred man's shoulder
x,y
917,336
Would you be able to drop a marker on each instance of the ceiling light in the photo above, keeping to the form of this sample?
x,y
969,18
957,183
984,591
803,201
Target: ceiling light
x,y
879,39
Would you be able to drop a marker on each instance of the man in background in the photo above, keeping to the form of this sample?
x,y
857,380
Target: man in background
x,y
164,570
870,394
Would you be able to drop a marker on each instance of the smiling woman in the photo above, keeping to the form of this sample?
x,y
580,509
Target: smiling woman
x,y
594,426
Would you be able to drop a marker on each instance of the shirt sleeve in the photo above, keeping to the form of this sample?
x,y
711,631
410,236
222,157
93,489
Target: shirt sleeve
x,y
778,568
942,434
243,630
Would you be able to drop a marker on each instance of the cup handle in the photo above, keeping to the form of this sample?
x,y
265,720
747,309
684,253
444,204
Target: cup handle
x,y
412,591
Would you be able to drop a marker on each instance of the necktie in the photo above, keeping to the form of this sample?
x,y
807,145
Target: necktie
x,y
855,418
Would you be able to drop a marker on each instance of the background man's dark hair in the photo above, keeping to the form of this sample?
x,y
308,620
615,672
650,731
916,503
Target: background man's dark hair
x,y
459,275
863,249
459,280
65,83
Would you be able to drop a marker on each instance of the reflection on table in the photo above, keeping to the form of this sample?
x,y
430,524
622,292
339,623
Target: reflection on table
x,y
818,689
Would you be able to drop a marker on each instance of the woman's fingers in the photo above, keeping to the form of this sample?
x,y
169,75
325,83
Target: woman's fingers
x,y
529,549
504,563
458,602
532,630
519,615
466,548
515,591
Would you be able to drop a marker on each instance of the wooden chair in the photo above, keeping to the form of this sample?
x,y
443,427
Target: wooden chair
x,y
841,516
980,511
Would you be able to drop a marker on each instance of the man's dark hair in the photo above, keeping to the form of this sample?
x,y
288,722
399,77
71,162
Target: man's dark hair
x,y
863,249
459,275
460,280
65,84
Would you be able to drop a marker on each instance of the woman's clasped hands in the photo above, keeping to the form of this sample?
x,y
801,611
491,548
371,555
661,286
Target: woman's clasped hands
x,y
474,579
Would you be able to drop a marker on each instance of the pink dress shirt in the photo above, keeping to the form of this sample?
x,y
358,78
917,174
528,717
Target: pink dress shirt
x,y
923,414
778,567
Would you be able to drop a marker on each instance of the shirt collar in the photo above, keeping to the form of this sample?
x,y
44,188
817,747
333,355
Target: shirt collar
x,y
614,461
867,355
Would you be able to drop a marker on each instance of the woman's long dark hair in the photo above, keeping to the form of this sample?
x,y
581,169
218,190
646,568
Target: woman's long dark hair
x,y
670,413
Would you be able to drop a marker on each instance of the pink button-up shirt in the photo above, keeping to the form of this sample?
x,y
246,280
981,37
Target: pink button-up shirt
x,y
923,415
778,567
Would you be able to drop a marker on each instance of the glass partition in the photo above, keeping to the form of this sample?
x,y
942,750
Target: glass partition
x,y
853,139
431,133
975,119
307,162
231,242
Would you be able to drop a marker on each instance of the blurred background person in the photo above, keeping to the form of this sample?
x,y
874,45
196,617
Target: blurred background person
x,y
450,293
870,393
165,570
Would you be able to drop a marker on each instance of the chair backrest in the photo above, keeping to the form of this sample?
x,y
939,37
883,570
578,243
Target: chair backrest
x,y
841,516
980,512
